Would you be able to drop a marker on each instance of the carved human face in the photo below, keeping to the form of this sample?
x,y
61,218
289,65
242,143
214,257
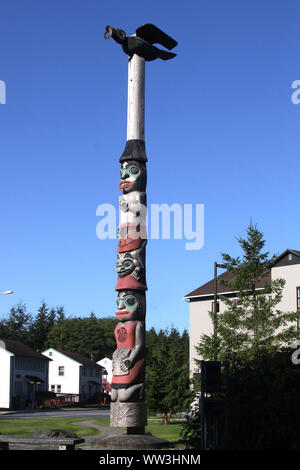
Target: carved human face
x,y
125,265
130,306
133,177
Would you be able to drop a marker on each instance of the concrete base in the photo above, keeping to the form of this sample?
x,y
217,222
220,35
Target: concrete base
x,y
129,441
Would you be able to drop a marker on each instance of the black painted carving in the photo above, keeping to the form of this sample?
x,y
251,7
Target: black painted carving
x,y
142,43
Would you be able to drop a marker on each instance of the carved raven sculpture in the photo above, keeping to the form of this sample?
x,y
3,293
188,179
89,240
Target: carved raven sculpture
x,y
142,43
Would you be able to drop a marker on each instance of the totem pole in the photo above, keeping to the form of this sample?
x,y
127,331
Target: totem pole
x,y
128,408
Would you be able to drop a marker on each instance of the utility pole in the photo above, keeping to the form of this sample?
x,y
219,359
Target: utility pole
x,y
128,408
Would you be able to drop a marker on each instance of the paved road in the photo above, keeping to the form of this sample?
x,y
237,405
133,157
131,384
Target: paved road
x,y
80,413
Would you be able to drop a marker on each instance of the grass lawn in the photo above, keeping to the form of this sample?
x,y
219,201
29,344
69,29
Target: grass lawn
x,y
157,428
165,431
25,427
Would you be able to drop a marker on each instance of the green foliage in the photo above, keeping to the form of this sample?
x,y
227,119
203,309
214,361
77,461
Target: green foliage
x,y
263,407
190,432
41,326
89,336
252,334
251,322
17,325
264,403
167,380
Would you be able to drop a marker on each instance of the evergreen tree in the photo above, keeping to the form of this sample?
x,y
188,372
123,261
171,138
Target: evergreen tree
x,y
3,329
40,327
60,314
17,325
167,379
251,322
252,334
89,336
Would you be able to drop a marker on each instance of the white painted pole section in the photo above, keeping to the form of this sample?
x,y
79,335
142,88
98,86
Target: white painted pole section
x,y
136,99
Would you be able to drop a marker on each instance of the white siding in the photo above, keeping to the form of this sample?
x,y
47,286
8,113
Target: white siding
x,y
200,324
291,274
5,378
70,381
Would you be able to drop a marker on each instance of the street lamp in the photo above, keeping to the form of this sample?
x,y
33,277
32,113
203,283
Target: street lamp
x,y
215,309
6,292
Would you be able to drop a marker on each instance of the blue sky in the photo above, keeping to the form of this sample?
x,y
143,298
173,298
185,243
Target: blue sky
x,y
221,130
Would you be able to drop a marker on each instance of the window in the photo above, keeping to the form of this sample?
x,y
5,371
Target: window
x,y
58,388
50,353
52,388
298,298
61,370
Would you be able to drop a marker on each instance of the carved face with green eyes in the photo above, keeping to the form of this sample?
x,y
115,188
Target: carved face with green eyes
x,y
130,306
133,177
125,265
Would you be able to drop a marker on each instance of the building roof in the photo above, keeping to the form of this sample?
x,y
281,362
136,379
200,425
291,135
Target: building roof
x,y
293,252
20,349
208,289
80,358
106,360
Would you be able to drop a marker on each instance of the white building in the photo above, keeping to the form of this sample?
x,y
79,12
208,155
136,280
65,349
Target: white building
x,y
106,363
71,373
23,373
286,266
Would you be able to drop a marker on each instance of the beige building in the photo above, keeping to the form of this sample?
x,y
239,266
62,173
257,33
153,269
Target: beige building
x,y
286,266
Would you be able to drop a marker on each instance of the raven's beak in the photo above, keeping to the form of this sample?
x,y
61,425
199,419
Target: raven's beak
x,y
117,34
108,32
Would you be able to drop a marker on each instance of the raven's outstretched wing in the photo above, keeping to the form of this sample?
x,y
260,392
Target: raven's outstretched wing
x,y
164,55
152,34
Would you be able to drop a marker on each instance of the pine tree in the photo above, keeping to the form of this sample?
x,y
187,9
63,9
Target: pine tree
x,y
40,327
17,325
167,379
251,322
89,336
